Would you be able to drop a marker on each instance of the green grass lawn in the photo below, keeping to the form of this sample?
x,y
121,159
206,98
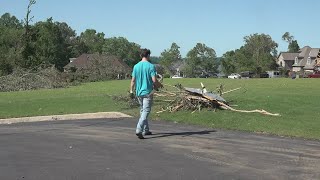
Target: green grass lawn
x,y
298,102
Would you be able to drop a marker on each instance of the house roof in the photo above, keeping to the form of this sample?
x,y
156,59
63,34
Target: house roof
x,y
86,59
81,61
304,51
177,65
304,54
289,56
314,52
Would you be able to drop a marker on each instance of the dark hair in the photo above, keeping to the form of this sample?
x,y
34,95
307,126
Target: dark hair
x,y
145,53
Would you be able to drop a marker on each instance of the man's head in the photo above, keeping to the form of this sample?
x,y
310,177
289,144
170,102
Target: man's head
x,y
145,53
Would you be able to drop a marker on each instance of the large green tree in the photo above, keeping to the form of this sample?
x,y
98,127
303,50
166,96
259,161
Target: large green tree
x,y
67,33
170,56
293,46
28,40
48,46
201,59
93,40
228,62
10,21
262,50
120,47
10,43
257,54
75,46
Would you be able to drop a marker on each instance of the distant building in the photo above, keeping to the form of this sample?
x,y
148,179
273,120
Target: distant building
x,y
177,68
304,60
286,60
86,61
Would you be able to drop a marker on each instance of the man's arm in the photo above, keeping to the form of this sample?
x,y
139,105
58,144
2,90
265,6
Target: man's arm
x,y
132,84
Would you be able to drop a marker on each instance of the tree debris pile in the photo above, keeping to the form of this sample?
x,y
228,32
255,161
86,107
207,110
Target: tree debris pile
x,y
197,99
21,80
191,99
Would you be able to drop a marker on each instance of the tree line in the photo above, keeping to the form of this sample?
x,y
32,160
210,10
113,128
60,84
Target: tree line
x,y
50,43
259,53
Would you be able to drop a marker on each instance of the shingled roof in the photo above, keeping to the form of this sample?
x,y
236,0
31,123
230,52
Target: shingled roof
x,y
85,60
314,52
288,56
305,53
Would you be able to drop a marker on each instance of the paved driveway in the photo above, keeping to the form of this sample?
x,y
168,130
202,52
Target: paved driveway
x,y
109,149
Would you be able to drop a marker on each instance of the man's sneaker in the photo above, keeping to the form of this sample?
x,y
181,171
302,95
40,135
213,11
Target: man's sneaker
x,y
148,133
140,136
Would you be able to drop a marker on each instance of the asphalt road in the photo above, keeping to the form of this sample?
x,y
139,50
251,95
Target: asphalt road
x,y
109,149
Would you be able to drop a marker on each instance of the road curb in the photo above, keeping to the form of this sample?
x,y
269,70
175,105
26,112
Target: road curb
x,y
99,115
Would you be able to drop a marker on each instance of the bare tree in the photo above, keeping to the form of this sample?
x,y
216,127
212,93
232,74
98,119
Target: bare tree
x,y
28,19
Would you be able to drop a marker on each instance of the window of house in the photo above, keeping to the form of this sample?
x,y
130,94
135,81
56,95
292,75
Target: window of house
x,y
296,61
281,64
309,60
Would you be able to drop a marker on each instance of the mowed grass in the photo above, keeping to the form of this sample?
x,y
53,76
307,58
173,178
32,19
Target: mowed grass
x,y
297,101
90,97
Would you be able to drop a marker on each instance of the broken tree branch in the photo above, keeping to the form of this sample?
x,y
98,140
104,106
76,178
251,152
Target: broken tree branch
x,y
245,111
231,91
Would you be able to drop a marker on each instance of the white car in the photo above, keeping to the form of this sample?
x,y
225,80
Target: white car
x,y
176,77
234,76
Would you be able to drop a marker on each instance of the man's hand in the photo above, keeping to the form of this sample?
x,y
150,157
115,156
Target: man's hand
x,y
157,85
131,95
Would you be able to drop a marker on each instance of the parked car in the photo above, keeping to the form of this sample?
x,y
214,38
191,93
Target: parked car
x,y
214,75
234,76
208,75
247,74
264,75
315,75
204,76
176,77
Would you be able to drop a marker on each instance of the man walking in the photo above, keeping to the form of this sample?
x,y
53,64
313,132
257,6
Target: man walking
x,y
144,81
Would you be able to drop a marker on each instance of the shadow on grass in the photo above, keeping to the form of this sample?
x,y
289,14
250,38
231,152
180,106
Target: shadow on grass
x,y
182,134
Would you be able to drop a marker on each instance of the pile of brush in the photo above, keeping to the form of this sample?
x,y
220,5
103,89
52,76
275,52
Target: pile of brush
x,y
190,99
193,99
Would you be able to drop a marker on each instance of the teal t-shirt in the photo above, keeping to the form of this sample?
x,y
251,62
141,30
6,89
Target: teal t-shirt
x,y
143,73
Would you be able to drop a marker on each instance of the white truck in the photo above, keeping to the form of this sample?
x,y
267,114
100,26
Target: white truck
x,y
273,74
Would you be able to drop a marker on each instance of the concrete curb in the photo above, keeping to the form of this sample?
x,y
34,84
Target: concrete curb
x,y
99,115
